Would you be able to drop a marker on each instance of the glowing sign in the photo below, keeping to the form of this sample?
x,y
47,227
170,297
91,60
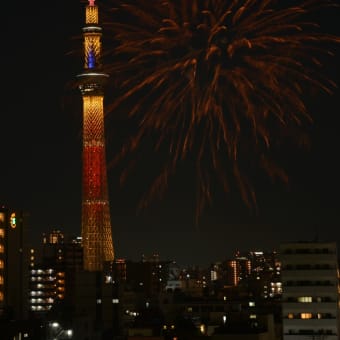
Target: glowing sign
x,y
13,221
91,2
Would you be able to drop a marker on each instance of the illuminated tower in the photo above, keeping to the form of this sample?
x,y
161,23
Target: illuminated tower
x,y
96,221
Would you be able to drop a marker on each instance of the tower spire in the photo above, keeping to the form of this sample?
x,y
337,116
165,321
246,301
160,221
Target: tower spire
x,y
96,220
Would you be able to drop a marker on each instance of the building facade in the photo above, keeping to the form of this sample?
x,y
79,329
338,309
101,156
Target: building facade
x,y
13,264
310,300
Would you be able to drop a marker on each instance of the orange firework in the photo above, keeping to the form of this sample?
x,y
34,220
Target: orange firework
x,y
221,81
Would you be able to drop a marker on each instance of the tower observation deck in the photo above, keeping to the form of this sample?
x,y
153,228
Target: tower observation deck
x,y
96,220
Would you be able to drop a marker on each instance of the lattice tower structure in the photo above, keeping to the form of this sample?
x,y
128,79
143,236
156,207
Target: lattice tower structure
x,y
96,219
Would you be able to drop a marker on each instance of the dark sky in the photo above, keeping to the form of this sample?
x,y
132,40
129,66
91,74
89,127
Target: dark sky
x,y
40,168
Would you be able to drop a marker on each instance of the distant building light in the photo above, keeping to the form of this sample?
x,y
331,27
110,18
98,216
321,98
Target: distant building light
x,y
202,328
115,300
108,279
305,299
13,221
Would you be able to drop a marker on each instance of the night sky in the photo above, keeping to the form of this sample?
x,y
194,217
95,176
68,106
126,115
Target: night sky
x,y
40,169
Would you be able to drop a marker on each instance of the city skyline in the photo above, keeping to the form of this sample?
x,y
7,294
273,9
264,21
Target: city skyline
x,y
41,169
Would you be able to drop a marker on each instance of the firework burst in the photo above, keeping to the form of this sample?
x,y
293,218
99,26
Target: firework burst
x,y
221,81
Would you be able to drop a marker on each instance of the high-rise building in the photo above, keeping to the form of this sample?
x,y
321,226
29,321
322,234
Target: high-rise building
x,y
149,275
239,269
96,220
310,292
13,264
47,274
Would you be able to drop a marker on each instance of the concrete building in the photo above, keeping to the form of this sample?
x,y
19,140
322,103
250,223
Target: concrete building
x,y
13,265
310,297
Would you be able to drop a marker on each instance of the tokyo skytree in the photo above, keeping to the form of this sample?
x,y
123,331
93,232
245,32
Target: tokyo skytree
x,y
96,220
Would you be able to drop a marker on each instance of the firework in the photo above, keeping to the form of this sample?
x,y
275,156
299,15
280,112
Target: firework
x,y
219,81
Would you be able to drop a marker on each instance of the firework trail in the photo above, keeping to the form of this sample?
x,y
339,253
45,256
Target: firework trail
x,y
221,81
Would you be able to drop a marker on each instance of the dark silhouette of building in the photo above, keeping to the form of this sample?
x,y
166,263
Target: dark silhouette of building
x,y
13,264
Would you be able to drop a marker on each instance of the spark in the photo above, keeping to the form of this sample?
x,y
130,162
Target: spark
x,y
220,81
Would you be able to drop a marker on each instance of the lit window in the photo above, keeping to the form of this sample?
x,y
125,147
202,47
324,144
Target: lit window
x,y
306,315
2,233
1,296
202,328
108,279
305,299
1,248
1,280
290,316
1,264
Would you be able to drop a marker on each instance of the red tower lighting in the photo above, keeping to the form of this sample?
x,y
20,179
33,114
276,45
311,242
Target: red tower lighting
x,y
96,220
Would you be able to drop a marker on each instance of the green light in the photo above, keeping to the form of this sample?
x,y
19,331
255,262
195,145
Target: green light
x,y
13,221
